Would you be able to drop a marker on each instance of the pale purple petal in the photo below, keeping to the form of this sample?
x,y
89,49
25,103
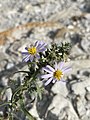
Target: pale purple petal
x,y
41,46
41,50
47,70
48,81
25,53
31,58
46,76
26,59
62,81
26,48
37,56
36,43
67,69
38,46
61,65
56,66
48,66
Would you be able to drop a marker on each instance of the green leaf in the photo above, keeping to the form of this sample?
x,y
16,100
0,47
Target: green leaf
x,y
24,110
39,91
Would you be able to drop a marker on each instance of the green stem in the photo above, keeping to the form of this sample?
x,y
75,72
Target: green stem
x,y
28,114
17,90
6,103
24,110
22,71
10,116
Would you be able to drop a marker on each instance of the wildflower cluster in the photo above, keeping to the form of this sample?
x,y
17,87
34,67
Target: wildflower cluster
x,y
46,66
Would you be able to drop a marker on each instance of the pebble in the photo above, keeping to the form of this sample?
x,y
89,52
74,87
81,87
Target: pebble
x,y
87,96
9,65
88,88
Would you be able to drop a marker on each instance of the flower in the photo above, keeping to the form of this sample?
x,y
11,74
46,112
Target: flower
x,y
56,73
33,51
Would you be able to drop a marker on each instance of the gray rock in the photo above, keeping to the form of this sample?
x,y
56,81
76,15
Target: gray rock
x,y
86,7
9,65
86,45
61,108
87,96
81,108
8,94
60,89
3,64
88,88
79,88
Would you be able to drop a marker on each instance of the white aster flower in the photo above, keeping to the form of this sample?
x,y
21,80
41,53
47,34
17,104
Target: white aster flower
x,y
56,73
33,51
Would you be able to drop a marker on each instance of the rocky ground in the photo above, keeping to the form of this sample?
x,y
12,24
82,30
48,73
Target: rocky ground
x,y
24,21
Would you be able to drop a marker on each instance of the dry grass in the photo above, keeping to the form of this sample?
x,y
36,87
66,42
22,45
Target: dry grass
x,y
62,29
5,34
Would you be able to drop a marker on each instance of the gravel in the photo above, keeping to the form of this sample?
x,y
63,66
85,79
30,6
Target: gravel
x,y
64,20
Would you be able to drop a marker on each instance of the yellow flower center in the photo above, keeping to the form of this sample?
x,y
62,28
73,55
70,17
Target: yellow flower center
x,y
32,50
58,74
